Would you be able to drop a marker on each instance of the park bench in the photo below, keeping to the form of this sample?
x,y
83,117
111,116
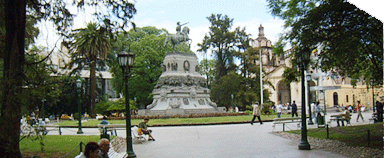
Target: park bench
x,y
110,128
137,139
114,154
340,117
286,121
46,128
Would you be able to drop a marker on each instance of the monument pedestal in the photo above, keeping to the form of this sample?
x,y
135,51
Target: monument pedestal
x,y
181,89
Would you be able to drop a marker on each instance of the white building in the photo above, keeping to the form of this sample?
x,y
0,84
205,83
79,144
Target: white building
x,y
337,89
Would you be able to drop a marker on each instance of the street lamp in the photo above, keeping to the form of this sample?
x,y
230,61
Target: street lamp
x,y
265,46
43,109
374,110
303,61
125,61
79,85
308,79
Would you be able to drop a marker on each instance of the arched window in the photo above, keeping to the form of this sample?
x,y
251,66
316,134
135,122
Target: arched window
x,y
335,99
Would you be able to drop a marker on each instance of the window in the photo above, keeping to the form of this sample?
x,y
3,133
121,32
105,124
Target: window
x,y
347,98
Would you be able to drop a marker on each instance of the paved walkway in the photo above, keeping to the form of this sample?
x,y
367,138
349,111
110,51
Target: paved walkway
x,y
237,140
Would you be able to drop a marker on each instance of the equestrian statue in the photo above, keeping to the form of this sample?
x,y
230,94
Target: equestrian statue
x,y
179,37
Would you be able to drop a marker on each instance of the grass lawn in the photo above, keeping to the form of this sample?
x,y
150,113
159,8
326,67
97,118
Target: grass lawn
x,y
55,145
93,122
352,135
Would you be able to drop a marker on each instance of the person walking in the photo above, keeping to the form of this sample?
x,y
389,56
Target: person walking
x,y
379,111
313,110
256,112
317,111
279,109
294,109
359,109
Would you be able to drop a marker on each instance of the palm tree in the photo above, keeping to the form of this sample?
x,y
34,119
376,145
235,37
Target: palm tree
x,y
90,45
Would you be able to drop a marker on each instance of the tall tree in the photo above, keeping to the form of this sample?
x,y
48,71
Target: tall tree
x,y
221,41
92,44
13,17
147,45
208,68
341,30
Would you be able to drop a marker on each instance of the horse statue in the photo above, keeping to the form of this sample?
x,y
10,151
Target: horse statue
x,y
178,38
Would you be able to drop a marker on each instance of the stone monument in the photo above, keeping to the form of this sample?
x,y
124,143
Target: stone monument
x,y
180,88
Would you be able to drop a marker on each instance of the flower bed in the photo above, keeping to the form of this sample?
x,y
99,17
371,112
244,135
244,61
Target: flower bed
x,y
180,116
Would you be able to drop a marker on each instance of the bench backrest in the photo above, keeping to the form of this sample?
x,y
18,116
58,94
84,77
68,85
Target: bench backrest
x,y
287,118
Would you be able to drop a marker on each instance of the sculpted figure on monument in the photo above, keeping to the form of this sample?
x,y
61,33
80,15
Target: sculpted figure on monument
x,y
179,37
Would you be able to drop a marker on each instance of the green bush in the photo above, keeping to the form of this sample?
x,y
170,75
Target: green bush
x,y
249,107
267,107
76,116
106,107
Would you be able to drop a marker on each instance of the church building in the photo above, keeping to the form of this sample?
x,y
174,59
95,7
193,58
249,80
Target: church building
x,y
327,88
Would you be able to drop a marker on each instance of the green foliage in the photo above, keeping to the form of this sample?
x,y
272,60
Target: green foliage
x,y
340,31
208,68
89,46
106,107
147,44
221,41
249,107
290,75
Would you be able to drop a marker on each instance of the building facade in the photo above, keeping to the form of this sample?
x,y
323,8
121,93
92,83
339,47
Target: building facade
x,y
327,88
60,60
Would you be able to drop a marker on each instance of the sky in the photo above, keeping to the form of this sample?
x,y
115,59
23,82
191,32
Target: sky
x,y
166,13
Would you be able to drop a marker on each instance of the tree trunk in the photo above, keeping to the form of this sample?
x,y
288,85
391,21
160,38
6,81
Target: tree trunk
x,y
93,86
13,55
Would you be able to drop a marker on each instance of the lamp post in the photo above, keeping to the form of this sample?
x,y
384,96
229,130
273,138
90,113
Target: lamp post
x,y
125,61
308,79
263,45
79,85
303,61
43,109
261,79
373,94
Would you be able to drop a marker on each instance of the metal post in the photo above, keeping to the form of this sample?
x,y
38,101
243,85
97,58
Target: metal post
x,y
80,113
81,146
368,137
310,108
304,145
128,117
43,110
327,132
373,94
261,79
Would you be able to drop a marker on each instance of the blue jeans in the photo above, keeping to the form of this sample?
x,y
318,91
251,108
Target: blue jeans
x,y
279,113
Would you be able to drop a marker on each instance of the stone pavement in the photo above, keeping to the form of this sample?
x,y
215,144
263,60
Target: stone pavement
x,y
236,140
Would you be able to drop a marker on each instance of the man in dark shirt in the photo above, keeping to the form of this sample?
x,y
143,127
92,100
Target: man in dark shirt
x,y
143,129
294,109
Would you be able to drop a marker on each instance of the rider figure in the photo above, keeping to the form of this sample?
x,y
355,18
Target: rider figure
x,y
178,28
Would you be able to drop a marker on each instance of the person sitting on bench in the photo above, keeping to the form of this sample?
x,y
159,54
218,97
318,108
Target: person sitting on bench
x,y
346,116
143,129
